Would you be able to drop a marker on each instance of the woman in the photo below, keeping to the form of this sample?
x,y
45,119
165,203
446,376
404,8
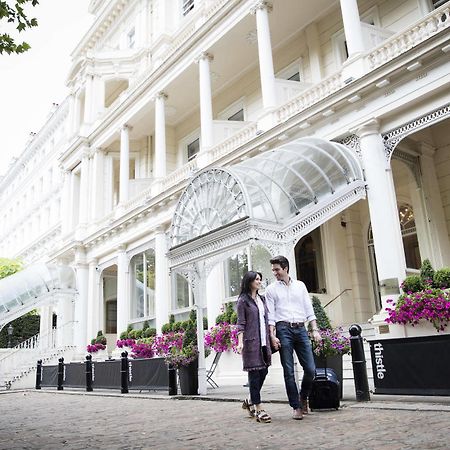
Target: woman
x,y
254,341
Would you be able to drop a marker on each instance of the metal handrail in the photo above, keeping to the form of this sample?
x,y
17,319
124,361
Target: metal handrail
x,y
337,296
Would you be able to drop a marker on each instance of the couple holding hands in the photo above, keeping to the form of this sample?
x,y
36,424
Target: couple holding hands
x,y
276,322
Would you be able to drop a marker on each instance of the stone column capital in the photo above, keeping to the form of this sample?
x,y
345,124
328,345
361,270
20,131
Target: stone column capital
x,y
262,5
160,95
370,127
204,56
121,248
126,127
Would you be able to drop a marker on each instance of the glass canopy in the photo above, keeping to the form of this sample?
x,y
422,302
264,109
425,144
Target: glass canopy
x,y
24,287
273,187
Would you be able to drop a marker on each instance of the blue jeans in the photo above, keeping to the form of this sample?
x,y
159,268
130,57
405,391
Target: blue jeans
x,y
296,339
255,383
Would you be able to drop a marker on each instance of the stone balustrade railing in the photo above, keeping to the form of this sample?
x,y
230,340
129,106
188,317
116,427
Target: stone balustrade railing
x,y
236,140
401,42
307,98
180,174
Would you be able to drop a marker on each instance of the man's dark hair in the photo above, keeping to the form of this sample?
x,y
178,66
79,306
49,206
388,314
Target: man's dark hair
x,y
281,260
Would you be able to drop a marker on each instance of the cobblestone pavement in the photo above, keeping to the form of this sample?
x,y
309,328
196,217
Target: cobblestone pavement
x,y
49,420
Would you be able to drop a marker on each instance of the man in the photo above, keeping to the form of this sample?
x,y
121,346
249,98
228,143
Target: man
x,y
290,307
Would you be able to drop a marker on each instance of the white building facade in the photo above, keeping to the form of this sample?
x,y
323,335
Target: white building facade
x,y
163,90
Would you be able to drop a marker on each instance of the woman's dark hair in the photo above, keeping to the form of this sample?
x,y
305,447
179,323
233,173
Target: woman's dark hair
x,y
247,280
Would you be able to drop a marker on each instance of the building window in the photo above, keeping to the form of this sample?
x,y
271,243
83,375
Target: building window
x,y
143,284
111,317
184,295
187,6
235,268
193,148
438,3
309,262
237,116
292,72
131,38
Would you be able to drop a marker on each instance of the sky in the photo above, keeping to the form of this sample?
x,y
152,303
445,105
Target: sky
x,y
32,81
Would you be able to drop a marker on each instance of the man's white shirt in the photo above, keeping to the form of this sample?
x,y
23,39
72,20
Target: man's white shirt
x,y
289,303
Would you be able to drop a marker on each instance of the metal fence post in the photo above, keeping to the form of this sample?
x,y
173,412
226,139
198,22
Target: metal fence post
x,y
88,364
124,373
173,388
38,374
359,364
60,373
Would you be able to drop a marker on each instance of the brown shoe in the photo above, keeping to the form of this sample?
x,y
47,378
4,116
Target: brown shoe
x,y
304,405
297,414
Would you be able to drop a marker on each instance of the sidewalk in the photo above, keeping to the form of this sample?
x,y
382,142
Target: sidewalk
x,y
276,394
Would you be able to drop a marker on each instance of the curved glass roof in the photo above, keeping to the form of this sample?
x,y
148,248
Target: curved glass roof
x,y
274,186
29,284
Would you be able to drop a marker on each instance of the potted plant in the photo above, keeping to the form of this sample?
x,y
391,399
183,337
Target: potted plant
x,y
97,344
223,336
183,354
329,352
425,298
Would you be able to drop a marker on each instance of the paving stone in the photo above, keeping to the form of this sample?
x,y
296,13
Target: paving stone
x,y
39,420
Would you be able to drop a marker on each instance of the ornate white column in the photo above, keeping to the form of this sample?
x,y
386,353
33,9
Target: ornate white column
x,y
84,189
81,302
383,210
124,163
98,84
206,114
123,291
162,292
93,300
88,99
98,183
352,27
160,136
65,202
313,42
262,9
45,326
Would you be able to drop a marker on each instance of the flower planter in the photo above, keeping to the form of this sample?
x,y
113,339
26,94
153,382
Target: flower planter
x,y
188,376
332,362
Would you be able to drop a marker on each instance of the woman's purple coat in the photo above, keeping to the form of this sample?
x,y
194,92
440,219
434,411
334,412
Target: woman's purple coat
x,y
248,323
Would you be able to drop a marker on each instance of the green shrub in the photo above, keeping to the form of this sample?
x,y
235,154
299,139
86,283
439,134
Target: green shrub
x,y
234,317
129,327
132,334
323,322
149,332
413,283
228,315
442,278
123,335
138,334
145,325
171,319
205,323
166,328
426,272
177,326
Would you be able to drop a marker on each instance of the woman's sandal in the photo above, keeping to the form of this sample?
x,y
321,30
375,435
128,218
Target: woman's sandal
x,y
249,407
263,417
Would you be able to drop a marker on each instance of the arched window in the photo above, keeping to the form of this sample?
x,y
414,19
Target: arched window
x,y
409,236
309,262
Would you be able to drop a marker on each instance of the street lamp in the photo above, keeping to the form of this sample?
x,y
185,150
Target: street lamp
x,y
10,332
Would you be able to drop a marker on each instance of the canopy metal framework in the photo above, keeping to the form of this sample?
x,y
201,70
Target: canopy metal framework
x,y
272,199
32,287
275,197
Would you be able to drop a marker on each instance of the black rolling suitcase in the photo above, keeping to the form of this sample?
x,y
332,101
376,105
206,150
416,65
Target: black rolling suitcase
x,y
325,390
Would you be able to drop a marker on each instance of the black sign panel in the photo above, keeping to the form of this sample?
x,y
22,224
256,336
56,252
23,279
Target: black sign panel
x,y
49,376
411,366
106,374
151,374
75,375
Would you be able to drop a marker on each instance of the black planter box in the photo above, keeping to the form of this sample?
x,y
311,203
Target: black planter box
x,y
411,366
